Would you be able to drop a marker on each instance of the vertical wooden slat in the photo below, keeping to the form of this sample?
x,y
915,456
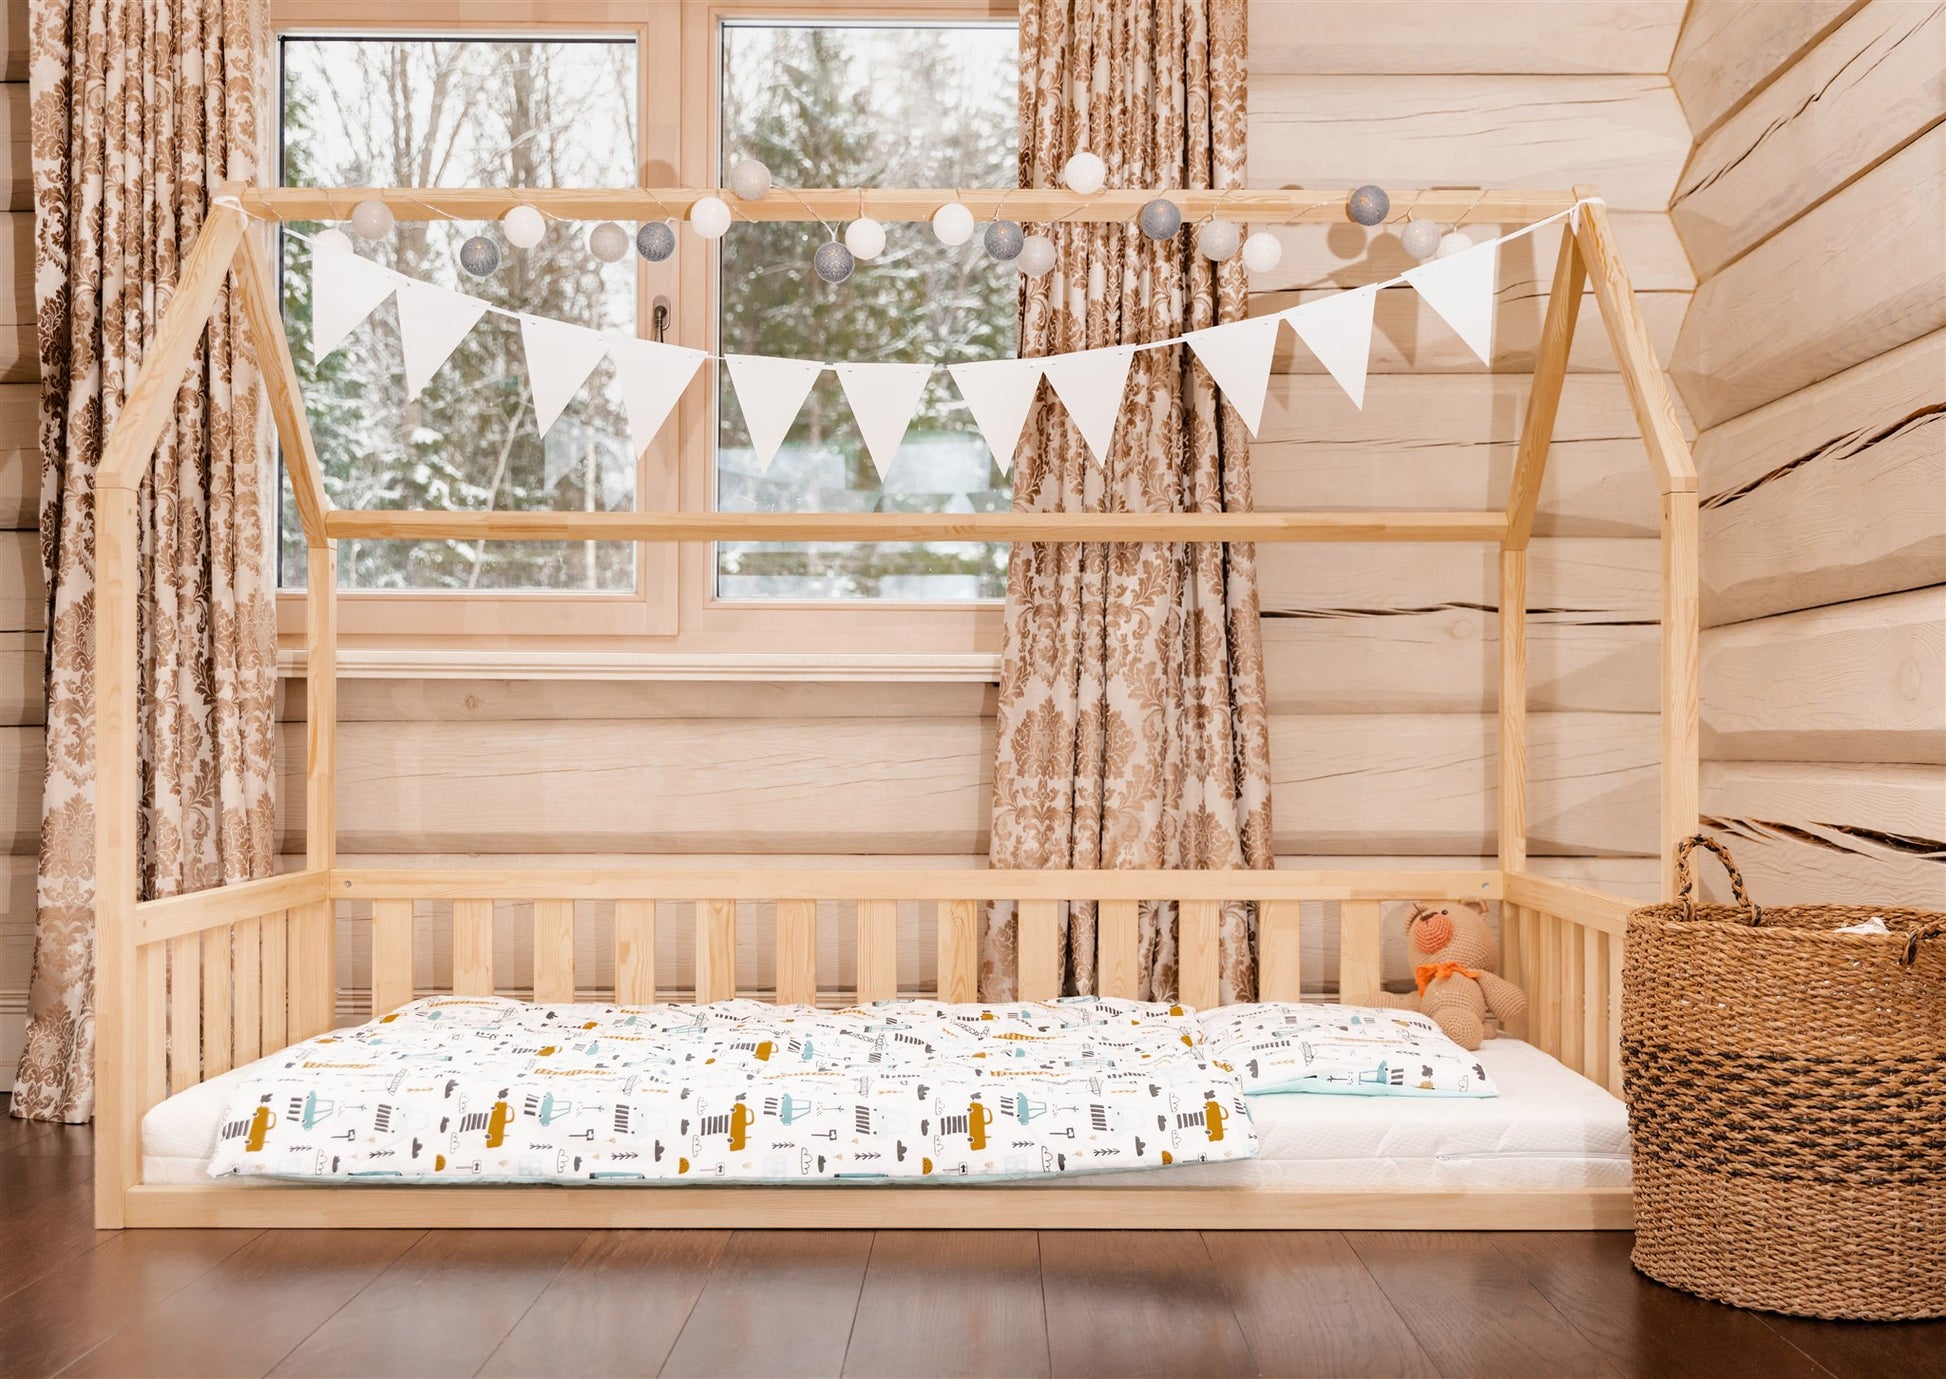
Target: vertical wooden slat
x,y
247,1005
959,950
1681,702
152,1017
1544,396
1547,1029
313,947
1039,947
1118,925
1279,962
1510,965
554,950
716,942
276,974
216,1002
185,1012
472,947
1574,988
797,952
1594,1007
1360,949
635,952
1196,926
1616,944
878,950
391,955
1512,790
312,968
1533,978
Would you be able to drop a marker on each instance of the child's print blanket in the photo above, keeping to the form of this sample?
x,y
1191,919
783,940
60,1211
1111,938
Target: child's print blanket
x,y
478,1089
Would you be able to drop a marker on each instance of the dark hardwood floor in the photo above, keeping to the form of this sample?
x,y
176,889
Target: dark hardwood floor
x,y
75,1301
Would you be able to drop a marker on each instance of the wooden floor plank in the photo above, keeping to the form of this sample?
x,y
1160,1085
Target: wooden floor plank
x,y
616,1308
1867,1350
779,1303
442,1308
70,1310
1641,1327
251,1310
942,1303
1471,1309
1131,1303
1308,1306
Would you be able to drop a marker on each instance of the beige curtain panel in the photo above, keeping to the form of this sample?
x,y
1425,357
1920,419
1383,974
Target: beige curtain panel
x,y
1132,728
139,110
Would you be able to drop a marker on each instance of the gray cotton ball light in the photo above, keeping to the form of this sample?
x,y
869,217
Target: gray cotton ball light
x,y
1004,240
479,256
833,262
1160,218
655,241
1369,205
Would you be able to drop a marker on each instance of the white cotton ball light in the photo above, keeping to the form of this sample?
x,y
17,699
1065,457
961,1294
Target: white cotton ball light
x,y
1262,252
1218,240
1453,243
750,180
865,238
1036,257
710,217
1084,173
372,219
1421,238
952,224
523,226
608,242
330,242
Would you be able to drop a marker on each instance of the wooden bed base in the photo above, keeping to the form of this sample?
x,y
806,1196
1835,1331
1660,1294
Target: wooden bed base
x,y
191,986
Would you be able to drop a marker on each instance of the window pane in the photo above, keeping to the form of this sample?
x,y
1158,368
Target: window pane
x,y
866,105
421,112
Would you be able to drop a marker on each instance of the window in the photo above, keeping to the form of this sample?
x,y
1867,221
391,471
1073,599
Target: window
x,y
415,111
835,105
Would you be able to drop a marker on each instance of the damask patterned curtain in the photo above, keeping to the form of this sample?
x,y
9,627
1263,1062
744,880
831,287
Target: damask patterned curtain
x,y
1132,730
140,108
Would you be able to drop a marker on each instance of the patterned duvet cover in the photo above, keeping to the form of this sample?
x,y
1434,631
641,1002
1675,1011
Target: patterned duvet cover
x,y
486,1090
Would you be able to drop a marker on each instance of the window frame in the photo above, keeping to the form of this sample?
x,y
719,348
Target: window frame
x,y
673,617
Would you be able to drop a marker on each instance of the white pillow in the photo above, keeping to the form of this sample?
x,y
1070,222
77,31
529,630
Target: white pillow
x,y
1346,1050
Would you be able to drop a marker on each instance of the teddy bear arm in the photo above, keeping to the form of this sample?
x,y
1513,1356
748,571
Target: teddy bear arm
x,y
1504,999
1385,1000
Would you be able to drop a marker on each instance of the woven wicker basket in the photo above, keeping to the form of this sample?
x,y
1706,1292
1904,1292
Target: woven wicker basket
x,y
1786,1092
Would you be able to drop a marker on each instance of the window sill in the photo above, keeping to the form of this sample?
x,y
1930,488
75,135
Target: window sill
x,y
412,663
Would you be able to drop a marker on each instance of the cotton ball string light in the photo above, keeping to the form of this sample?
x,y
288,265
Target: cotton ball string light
x,y
1160,218
372,219
1453,243
710,217
952,224
750,180
608,242
655,241
523,226
330,242
1420,238
479,256
833,262
1369,205
1084,173
1218,240
1036,257
1004,239
1262,252
865,238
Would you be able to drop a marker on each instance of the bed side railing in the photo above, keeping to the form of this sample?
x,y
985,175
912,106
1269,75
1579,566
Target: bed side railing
x,y
1563,944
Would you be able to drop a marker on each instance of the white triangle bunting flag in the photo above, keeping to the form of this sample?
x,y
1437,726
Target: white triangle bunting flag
x,y
1338,330
432,322
559,359
1238,358
1090,384
1000,394
883,398
652,377
770,392
1460,288
345,289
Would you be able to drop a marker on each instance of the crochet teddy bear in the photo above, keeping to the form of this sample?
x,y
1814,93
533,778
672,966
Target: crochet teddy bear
x,y
1454,951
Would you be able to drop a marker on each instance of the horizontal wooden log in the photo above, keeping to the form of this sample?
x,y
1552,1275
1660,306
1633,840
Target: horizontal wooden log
x,y
14,46
1787,866
20,456
17,272
393,700
1868,88
1730,48
1448,441
16,145
1345,784
1571,580
1829,494
22,595
1835,801
1625,134
23,765
1355,37
1857,682
1861,274
23,698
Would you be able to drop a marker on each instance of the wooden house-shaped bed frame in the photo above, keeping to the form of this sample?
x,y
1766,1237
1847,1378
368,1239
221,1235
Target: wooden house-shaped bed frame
x,y
191,985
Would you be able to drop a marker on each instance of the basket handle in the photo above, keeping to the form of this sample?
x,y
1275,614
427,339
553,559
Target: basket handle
x,y
1686,883
1937,929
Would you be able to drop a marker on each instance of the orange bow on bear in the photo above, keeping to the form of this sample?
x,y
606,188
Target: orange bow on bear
x,y
1434,971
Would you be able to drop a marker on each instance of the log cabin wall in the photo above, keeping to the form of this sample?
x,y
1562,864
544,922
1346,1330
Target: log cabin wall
x,y
1813,361
22,703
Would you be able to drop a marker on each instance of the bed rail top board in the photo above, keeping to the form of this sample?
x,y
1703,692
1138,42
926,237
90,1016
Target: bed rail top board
x,y
190,986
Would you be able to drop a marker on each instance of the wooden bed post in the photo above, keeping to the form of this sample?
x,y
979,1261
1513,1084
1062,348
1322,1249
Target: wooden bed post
x,y
1662,433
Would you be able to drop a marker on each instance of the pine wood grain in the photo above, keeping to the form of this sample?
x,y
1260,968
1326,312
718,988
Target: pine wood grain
x,y
1826,865
23,701
1827,797
22,594
1730,48
1328,37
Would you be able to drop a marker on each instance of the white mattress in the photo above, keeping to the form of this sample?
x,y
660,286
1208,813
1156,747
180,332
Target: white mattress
x,y
1549,1128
